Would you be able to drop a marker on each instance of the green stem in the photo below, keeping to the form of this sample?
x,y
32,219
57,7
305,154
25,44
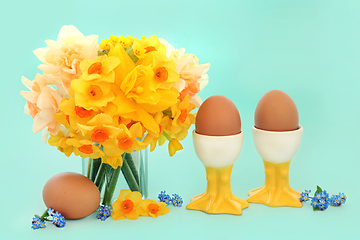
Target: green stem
x,y
129,159
45,214
89,168
167,136
129,177
110,188
95,165
100,175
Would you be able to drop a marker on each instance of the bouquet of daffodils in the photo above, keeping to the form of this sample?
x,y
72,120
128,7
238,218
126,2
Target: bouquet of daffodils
x,y
101,101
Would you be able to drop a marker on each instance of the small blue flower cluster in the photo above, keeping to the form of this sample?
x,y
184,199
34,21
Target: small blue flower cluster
x,y
104,213
37,223
176,200
57,219
163,197
305,196
320,200
337,200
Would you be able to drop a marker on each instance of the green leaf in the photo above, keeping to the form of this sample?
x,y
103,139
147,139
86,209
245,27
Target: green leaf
x,y
318,190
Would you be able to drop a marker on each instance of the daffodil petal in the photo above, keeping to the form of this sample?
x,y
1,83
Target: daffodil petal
x,y
123,194
133,215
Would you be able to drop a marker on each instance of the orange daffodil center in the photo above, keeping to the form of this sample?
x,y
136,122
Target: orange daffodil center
x,y
99,136
87,149
125,143
95,68
127,206
95,92
161,74
82,112
153,208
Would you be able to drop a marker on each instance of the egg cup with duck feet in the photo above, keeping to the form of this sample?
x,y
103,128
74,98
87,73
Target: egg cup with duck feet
x,y
276,149
218,154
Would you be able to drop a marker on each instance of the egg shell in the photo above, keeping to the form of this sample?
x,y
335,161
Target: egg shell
x,y
276,111
218,116
71,194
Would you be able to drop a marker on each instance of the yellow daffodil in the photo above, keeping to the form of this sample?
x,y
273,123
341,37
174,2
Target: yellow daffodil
x,y
126,64
164,75
181,115
145,45
151,208
105,44
113,41
137,86
126,205
60,141
92,96
154,138
139,109
99,69
85,148
125,141
174,146
73,114
99,129
126,41
114,161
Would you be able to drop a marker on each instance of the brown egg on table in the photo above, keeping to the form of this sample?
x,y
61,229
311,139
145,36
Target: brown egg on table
x,y
218,141
277,136
218,116
276,111
71,194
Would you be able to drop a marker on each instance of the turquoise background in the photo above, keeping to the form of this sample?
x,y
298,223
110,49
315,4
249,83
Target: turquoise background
x,y
307,48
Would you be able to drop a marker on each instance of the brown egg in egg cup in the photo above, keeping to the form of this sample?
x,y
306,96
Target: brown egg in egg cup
x,y
218,141
277,137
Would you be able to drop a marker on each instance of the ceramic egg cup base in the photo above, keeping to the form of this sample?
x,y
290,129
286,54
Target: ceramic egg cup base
x,y
218,197
276,191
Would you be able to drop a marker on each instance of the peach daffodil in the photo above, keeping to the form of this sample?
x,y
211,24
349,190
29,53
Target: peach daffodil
x,y
151,208
42,103
193,76
126,205
62,57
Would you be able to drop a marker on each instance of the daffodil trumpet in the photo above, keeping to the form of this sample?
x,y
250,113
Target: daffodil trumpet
x,y
218,154
276,149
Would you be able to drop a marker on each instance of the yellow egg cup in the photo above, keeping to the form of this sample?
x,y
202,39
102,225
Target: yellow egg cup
x,y
276,149
218,154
